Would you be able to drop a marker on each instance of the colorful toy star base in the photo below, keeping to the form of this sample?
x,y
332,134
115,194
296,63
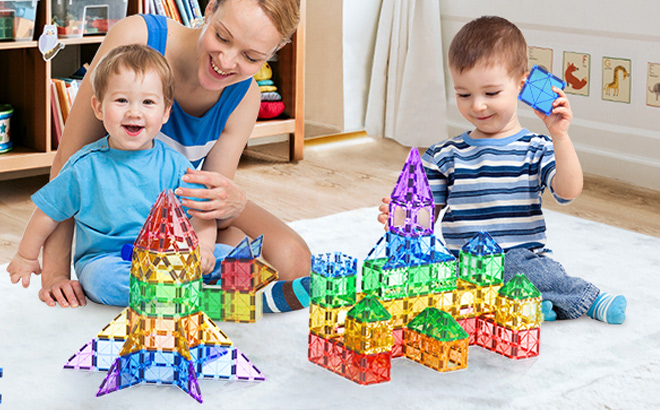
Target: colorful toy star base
x,y
416,301
163,337
537,90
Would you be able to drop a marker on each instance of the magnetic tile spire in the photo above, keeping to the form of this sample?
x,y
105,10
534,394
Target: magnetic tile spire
x,y
412,208
163,337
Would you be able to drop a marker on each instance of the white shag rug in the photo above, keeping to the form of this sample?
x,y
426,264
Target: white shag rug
x,y
582,363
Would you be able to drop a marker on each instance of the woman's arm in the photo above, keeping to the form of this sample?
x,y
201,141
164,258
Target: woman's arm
x,y
81,128
225,200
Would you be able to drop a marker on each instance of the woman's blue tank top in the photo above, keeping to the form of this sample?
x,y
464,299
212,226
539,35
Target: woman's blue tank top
x,y
193,136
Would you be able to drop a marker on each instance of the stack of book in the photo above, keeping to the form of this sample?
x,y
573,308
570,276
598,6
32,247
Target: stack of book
x,y
186,12
63,93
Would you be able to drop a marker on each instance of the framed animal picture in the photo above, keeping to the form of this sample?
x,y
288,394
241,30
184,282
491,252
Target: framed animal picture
x,y
539,56
616,79
653,85
576,70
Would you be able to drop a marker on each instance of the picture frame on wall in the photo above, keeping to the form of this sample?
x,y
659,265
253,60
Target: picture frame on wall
x,y
576,70
616,79
653,85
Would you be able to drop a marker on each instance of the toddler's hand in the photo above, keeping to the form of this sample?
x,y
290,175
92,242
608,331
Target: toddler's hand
x,y
208,261
20,269
384,210
559,120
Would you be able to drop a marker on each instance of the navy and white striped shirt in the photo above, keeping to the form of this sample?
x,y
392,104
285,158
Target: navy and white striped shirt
x,y
492,185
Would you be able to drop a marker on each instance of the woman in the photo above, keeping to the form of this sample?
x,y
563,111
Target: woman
x,y
213,67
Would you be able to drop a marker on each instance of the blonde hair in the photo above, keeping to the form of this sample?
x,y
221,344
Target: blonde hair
x,y
490,39
285,14
140,59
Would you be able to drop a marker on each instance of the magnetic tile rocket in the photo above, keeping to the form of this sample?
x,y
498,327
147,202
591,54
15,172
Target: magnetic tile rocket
x,y
164,337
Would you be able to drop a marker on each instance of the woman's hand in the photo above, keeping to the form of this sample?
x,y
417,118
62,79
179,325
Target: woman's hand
x,y
225,200
384,210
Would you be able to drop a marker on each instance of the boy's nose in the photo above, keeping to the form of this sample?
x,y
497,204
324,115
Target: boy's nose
x,y
478,104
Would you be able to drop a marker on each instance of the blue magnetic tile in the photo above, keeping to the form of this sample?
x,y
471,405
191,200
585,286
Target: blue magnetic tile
x,y
537,90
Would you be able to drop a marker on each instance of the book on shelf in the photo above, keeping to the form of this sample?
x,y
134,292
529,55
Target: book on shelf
x,y
57,120
186,12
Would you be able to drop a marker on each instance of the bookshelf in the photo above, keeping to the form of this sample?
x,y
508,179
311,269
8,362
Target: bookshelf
x,y
25,84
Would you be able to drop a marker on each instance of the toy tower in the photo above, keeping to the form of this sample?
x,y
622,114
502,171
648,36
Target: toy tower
x,y
363,353
409,269
515,330
244,275
163,337
434,339
480,272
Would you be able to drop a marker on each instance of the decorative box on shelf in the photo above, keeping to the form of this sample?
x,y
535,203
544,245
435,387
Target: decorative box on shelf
x,y
75,18
17,19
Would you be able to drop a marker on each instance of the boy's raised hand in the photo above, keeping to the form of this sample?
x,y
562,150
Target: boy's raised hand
x,y
20,269
559,121
384,210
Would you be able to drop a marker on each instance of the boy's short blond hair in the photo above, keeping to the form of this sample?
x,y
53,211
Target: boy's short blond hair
x,y
492,40
140,59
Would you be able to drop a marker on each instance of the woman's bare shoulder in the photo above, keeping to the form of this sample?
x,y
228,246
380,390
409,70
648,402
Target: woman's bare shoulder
x,y
129,30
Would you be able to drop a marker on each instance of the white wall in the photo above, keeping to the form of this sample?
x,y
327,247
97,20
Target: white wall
x,y
615,140
324,100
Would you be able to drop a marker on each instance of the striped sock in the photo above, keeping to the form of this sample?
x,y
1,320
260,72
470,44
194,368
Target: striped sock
x,y
609,308
287,295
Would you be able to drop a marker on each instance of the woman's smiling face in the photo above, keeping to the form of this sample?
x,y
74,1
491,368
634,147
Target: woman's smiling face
x,y
236,41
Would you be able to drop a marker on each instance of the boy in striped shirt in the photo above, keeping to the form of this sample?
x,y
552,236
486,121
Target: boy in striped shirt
x,y
492,178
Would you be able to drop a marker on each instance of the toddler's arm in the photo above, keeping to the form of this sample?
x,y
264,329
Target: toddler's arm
x,y
207,231
26,259
568,180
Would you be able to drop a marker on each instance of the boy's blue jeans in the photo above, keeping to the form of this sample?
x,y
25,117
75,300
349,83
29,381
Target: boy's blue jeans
x,y
571,297
106,279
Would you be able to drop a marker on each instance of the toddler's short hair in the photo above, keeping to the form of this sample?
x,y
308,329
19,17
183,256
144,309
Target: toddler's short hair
x,y
490,39
140,59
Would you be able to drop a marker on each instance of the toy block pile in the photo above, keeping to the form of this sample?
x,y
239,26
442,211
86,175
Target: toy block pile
x,y
239,296
438,307
164,337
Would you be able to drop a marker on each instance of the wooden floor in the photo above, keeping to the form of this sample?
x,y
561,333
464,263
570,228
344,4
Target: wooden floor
x,y
341,174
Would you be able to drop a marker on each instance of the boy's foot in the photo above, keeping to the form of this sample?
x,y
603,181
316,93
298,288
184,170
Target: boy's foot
x,y
285,296
549,315
609,308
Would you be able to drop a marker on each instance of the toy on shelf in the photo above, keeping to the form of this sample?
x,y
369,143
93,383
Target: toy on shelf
x,y
411,284
271,101
164,337
537,90
6,111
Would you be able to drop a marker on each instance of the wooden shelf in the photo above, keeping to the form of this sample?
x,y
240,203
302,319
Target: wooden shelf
x,y
25,84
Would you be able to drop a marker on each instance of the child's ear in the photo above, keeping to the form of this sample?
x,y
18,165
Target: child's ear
x,y
97,106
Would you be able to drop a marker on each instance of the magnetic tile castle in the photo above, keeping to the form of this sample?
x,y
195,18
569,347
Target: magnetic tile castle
x,y
416,300
537,90
164,337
